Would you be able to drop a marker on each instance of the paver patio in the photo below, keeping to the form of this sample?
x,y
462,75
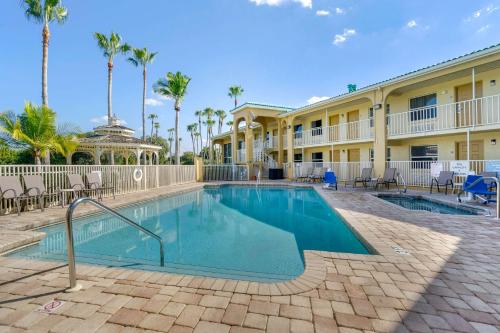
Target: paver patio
x,y
448,282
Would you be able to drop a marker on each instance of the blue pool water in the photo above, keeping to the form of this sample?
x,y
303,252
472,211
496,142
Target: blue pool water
x,y
417,203
238,232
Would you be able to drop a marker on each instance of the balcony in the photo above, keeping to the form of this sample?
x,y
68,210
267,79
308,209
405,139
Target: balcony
x,y
474,113
355,131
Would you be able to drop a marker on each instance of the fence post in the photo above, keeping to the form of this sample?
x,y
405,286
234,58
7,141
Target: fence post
x,y
198,167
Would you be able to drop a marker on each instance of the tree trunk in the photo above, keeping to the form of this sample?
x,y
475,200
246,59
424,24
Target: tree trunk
x,y
38,161
201,137
144,104
177,156
45,58
152,126
192,140
110,86
235,102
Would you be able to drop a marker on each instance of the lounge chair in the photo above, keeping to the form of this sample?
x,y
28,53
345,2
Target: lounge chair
x,y
94,182
388,179
364,179
11,188
477,186
317,174
304,174
77,185
35,187
445,179
330,180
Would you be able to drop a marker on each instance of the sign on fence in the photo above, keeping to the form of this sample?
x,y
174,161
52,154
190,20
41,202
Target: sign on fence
x,y
461,168
492,166
436,168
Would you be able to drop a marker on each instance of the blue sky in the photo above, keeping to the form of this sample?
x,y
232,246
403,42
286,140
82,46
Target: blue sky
x,y
284,52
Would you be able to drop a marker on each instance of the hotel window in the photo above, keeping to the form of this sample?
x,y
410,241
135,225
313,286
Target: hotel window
x,y
241,145
421,156
387,113
297,129
423,107
317,157
370,116
316,127
297,158
371,152
227,153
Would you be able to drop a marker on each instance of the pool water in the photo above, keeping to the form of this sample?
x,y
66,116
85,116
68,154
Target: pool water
x,y
422,204
239,232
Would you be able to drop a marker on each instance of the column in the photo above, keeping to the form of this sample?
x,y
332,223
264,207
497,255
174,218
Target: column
x,y
126,155
138,154
112,157
380,143
249,143
280,144
289,140
97,156
234,143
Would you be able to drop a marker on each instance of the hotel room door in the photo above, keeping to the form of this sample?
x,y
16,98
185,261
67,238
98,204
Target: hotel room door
x,y
334,131
352,125
468,112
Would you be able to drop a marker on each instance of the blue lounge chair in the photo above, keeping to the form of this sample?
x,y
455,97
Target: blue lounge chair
x,y
479,188
330,180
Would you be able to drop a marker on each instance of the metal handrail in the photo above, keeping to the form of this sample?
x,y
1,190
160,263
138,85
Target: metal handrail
x,y
497,182
403,182
69,234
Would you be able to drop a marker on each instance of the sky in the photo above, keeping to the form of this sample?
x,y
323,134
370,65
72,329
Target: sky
x,y
282,52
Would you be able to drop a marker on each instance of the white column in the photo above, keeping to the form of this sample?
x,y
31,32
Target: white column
x,y
112,157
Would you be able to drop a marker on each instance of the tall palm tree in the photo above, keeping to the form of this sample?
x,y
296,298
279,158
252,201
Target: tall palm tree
x,y
192,128
199,114
35,128
67,145
208,113
142,57
170,140
230,124
234,92
45,12
157,127
210,124
197,136
111,46
153,117
221,114
174,86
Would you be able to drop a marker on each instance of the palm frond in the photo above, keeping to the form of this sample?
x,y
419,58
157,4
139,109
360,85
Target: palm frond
x,y
33,10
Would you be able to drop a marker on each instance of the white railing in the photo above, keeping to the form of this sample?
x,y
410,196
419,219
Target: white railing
x,y
471,113
241,155
345,132
418,173
225,172
343,170
120,177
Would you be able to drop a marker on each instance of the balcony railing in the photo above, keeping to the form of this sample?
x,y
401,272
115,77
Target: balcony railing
x,y
345,132
466,114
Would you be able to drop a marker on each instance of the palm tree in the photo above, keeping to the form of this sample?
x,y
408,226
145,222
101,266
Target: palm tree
x,y
221,114
35,128
197,136
174,86
110,47
209,123
230,124
142,57
170,139
234,92
152,116
192,128
157,127
67,145
45,12
199,114
208,114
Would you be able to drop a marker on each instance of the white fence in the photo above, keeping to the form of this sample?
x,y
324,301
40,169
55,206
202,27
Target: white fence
x,y
225,172
120,177
343,170
419,173
345,132
472,113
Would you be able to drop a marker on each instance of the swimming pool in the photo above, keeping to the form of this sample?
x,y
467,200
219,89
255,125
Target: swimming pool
x,y
238,232
423,204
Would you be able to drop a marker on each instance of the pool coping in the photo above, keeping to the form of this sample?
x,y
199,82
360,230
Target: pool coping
x,y
315,268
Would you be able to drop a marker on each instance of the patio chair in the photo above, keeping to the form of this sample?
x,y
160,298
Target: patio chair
x,y
316,174
76,184
477,186
445,179
94,182
388,179
11,188
35,187
330,180
304,174
364,179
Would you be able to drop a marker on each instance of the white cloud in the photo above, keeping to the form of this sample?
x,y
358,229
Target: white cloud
x,y
322,13
341,38
316,99
104,120
304,3
339,11
411,24
153,102
481,12
483,28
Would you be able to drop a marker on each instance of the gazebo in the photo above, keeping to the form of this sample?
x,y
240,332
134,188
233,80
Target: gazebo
x,y
116,140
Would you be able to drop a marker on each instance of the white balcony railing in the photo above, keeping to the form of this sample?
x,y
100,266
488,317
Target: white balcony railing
x,y
345,132
471,113
343,170
241,156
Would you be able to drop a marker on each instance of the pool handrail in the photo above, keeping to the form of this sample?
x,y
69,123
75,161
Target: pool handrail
x,y
69,234
480,179
400,178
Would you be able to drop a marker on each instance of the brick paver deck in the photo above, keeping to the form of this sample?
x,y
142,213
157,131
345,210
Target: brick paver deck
x,y
445,279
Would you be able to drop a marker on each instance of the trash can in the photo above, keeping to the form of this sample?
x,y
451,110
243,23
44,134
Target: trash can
x,y
275,173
